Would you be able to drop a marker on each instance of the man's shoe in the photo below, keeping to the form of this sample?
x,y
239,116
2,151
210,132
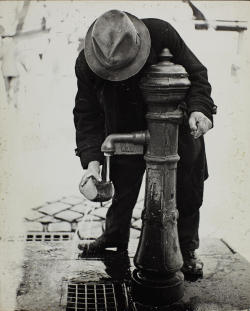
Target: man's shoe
x,y
99,246
192,267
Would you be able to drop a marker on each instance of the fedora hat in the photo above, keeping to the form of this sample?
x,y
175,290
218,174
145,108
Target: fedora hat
x,y
117,45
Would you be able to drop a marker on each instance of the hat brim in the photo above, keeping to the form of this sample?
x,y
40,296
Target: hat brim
x,y
133,68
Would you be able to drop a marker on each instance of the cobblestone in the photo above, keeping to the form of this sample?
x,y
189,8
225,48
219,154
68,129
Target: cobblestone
x,y
47,219
89,230
72,200
33,215
100,212
68,215
59,226
93,205
137,213
137,224
53,208
33,226
89,218
80,208
134,234
87,206
72,213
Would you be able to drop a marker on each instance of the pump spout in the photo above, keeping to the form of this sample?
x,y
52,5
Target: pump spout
x,y
132,143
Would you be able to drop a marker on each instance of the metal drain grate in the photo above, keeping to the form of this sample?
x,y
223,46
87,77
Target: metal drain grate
x,y
46,236
97,297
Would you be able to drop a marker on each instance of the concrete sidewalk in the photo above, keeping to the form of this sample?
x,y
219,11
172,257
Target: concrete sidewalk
x,y
50,267
54,261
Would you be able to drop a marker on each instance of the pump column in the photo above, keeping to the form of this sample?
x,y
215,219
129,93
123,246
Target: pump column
x,y
157,281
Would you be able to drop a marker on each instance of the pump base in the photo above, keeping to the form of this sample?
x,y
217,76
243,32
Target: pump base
x,y
157,292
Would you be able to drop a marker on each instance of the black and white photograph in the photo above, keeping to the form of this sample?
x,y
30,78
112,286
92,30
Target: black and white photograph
x,y
124,155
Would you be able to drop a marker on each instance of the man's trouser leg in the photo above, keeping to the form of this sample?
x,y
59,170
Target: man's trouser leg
x,y
126,175
191,173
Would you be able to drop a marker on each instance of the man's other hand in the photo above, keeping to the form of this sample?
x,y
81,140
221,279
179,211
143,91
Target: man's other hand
x,y
199,124
92,170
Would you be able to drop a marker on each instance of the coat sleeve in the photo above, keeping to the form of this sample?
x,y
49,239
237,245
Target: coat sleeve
x,y
199,94
88,116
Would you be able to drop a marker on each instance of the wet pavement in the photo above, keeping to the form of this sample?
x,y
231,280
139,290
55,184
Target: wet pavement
x,y
55,271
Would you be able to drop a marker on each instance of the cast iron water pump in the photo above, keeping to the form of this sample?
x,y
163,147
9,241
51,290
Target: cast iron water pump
x,y
157,280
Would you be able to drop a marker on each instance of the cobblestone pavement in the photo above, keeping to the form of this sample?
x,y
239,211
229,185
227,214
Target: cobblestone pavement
x,y
69,213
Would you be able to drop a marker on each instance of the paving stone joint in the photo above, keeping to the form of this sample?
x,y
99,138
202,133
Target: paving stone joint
x,y
72,212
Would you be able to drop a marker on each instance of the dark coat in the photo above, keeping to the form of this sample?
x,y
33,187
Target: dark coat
x,y
105,107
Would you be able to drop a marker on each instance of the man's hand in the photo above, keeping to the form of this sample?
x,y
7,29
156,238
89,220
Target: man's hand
x,y
199,124
92,170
